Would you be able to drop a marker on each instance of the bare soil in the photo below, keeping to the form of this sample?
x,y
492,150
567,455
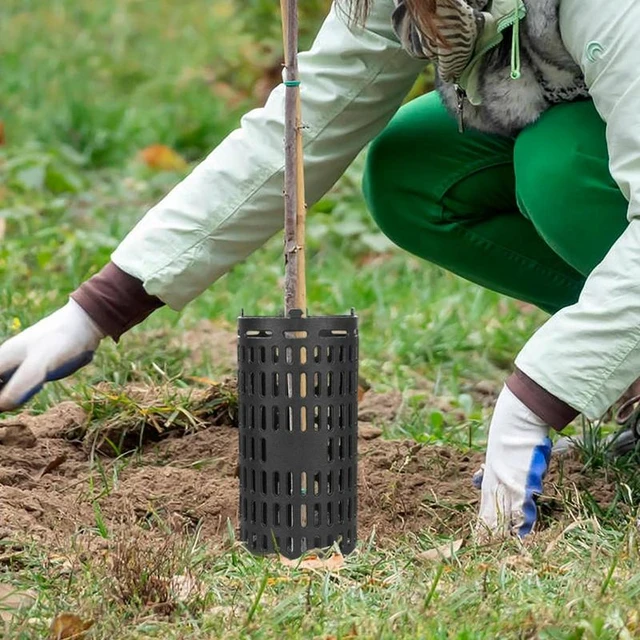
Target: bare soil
x,y
51,489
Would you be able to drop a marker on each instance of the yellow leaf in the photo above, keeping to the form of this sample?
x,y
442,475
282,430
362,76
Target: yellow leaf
x,y
162,158
277,580
68,626
208,381
519,561
312,562
443,552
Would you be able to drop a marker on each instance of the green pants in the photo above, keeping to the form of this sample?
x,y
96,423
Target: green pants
x,y
529,218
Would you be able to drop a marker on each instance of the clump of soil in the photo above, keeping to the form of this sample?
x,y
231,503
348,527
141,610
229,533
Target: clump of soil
x,y
53,486
128,418
379,408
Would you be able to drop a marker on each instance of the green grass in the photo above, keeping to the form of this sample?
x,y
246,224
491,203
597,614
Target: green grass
x,y
581,582
112,77
85,86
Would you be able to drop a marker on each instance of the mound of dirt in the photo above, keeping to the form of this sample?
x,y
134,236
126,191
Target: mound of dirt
x,y
51,490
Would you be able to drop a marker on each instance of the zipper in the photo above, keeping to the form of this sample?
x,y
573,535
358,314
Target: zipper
x,y
504,23
461,95
492,44
510,20
487,47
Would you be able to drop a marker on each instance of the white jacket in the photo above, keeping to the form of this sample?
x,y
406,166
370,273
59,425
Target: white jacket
x,y
589,353
353,81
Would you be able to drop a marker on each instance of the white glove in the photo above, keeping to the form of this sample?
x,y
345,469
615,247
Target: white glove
x,y
51,349
518,453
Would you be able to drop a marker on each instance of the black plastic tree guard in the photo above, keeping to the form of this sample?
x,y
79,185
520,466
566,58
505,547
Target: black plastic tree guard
x,y
298,423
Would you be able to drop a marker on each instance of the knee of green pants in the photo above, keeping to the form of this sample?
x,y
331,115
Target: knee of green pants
x,y
422,176
387,163
383,196
564,187
450,199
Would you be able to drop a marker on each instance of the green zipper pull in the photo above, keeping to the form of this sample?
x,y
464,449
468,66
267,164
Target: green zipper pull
x,y
515,45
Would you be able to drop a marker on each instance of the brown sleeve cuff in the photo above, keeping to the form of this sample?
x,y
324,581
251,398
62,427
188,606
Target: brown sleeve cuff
x,y
555,412
115,300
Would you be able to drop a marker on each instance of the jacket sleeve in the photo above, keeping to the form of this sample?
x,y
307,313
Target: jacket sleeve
x,y
353,80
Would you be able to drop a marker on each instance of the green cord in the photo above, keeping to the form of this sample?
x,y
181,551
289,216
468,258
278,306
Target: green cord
x,y
292,83
515,45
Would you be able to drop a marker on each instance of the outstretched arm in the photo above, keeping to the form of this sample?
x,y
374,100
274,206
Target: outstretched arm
x,y
353,80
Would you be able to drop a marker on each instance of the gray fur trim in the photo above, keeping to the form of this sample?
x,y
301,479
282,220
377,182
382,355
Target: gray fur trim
x,y
548,73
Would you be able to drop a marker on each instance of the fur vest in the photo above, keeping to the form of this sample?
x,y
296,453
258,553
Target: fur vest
x,y
499,63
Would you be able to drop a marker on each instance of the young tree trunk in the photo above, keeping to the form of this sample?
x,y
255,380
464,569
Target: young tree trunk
x,y
295,292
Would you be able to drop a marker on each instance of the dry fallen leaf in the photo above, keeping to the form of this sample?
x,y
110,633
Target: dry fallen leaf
x,y
68,626
519,561
6,558
162,158
206,381
633,621
12,600
63,564
185,586
3,138
221,610
443,552
351,635
353,632
313,562
53,465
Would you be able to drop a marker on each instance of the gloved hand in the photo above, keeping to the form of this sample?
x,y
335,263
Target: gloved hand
x,y
51,349
518,453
